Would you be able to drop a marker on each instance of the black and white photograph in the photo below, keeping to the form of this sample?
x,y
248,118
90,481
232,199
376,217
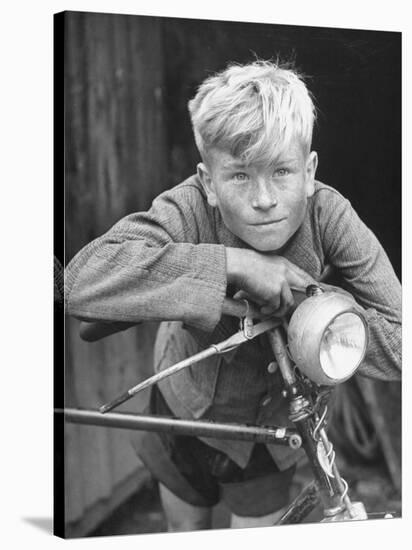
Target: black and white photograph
x,y
205,310
232,261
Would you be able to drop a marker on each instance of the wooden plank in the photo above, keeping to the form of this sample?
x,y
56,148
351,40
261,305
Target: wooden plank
x,y
115,130
115,164
93,516
98,459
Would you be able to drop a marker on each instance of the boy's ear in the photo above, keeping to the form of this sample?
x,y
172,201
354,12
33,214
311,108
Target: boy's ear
x,y
207,184
311,165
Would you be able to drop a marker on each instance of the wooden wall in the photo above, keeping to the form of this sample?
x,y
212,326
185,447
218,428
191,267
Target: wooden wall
x,y
114,141
115,138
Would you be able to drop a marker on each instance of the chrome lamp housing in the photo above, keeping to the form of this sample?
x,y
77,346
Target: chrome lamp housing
x,y
328,337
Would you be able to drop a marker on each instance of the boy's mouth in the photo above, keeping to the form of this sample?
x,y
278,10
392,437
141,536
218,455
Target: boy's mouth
x,y
269,222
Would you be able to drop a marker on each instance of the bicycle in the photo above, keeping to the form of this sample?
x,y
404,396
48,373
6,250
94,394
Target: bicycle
x,y
319,347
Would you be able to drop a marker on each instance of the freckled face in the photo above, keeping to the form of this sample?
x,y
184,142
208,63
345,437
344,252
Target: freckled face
x,y
263,206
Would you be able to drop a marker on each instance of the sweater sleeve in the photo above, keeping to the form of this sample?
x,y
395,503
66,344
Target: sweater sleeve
x,y
152,266
352,248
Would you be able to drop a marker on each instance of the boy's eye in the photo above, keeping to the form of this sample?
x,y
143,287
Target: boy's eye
x,y
240,176
281,172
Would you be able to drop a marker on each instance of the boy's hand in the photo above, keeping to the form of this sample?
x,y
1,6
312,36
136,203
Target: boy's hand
x,y
265,278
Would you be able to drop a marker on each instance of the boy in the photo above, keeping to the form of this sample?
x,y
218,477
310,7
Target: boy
x,y
252,220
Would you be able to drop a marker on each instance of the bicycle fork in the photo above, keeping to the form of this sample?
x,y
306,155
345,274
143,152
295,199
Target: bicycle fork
x,y
333,489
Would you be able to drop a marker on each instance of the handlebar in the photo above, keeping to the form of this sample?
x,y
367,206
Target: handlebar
x,y
91,331
96,330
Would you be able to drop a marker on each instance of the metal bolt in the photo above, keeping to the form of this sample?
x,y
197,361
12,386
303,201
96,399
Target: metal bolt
x,y
295,441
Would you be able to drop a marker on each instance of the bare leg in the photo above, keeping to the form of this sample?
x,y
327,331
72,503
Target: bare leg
x,y
182,516
238,522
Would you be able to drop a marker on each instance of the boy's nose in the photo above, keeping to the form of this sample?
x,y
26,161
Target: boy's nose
x,y
264,197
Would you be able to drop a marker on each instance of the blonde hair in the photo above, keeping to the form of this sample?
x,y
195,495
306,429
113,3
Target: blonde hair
x,y
253,111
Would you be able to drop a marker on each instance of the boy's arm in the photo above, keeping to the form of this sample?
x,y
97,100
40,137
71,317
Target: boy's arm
x,y
165,265
368,275
149,266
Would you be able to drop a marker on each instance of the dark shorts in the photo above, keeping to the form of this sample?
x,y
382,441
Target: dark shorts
x,y
202,476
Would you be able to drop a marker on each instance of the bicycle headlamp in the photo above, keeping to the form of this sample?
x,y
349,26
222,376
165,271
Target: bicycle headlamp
x,y
328,337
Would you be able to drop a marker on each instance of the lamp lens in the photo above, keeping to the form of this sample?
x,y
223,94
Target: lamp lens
x,y
343,345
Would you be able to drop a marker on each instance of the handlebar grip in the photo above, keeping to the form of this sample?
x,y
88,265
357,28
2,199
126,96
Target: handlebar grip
x,y
96,330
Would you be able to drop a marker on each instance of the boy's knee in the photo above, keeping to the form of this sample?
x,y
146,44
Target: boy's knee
x,y
182,516
178,525
238,522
